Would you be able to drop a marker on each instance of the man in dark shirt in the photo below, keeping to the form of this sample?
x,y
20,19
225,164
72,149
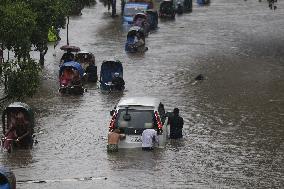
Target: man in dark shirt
x,y
117,82
68,56
176,125
91,71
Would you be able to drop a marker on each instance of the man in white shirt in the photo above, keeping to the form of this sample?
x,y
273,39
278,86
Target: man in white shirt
x,y
149,137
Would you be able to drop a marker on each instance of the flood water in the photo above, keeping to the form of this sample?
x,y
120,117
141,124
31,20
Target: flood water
x,y
234,119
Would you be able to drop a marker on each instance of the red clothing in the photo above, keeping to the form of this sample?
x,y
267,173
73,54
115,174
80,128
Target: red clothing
x,y
10,136
66,77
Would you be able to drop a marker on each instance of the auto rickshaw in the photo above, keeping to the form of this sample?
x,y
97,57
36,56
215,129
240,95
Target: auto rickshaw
x,y
109,69
203,2
7,179
152,16
187,4
167,9
17,126
135,40
87,60
71,78
69,54
141,20
179,6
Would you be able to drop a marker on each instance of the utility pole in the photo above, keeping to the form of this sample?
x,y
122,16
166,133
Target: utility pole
x,y
67,30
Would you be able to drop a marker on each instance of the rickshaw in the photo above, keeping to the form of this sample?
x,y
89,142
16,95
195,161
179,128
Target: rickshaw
x,y
203,2
69,54
167,9
141,20
108,70
87,60
152,17
187,4
16,114
70,78
179,7
132,8
135,40
7,179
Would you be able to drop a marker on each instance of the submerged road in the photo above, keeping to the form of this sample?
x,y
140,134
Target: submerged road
x,y
233,133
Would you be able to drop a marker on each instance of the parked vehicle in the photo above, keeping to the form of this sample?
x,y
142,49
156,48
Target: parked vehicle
x,y
135,41
179,7
141,20
71,78
203,2
132,8
84,58
108,70
167,9
17,122
69,54
87,60
7,179
187,4
152,17
135,114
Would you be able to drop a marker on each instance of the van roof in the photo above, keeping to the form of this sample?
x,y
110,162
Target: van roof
x,y
149,102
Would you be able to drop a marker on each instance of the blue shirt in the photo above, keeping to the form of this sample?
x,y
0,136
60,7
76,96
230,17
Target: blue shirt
x,y
5,186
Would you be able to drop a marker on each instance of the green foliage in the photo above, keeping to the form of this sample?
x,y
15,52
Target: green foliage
x,y
23,78
16,27
75,6
23,24
49,13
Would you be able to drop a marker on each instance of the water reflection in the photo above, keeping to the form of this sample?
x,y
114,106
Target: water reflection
x,y
135,159
17,158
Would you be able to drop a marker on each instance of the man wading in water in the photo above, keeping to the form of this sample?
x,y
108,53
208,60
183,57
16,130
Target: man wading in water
x,y
176,125
113,139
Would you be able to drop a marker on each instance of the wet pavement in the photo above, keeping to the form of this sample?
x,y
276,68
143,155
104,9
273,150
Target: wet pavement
x,y
233,133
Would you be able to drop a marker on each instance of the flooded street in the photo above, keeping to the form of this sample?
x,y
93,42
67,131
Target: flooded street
x,y
234,119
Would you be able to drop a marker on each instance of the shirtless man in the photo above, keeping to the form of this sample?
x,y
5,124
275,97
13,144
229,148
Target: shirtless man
x,y
113,139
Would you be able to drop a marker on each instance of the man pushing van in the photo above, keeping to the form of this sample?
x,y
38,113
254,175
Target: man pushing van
x,y
149,138
113,139
176,125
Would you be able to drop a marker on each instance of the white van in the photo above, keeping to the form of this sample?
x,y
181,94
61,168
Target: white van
x,y
134,115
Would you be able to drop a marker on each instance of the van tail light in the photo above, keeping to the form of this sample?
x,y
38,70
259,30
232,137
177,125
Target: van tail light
x,y
160,126
111,125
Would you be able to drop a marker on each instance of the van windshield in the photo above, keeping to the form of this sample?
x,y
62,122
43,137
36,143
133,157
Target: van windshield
x,y
139,119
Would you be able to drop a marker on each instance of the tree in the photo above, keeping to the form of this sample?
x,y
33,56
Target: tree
x,y
23,78
25,24
50,13
17,24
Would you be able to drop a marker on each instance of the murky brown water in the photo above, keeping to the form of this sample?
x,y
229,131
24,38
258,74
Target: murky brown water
x,y
234,120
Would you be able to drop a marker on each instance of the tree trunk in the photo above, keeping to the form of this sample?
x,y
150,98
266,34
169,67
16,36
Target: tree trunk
x,y
113,13
41,56
5,83
122,6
